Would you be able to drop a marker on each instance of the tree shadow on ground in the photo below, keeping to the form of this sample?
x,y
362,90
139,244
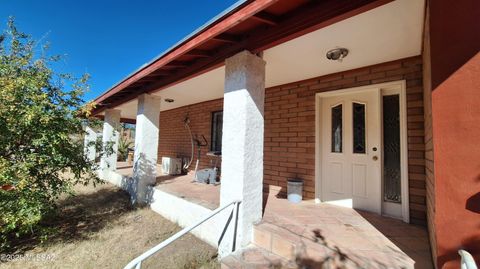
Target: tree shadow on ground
x,y
335,257
78,217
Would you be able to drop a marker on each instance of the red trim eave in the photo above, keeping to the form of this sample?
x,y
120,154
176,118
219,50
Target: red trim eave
x,y
214,30
305,19
123,120
124,100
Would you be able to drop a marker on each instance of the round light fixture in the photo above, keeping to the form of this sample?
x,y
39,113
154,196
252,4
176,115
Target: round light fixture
x,y
169,100
337,54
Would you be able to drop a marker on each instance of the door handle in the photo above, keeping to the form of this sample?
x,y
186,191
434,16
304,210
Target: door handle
x,y
375,158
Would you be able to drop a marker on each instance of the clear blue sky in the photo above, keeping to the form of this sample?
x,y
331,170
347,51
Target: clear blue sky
x,y
106,38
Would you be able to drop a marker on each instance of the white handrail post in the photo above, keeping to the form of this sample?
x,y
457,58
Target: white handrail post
x,y
235,219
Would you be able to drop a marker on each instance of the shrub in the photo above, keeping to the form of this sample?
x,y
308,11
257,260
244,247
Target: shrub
x,y
41,145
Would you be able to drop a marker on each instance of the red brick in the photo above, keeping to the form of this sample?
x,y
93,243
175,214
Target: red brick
x,y
290,126
371,76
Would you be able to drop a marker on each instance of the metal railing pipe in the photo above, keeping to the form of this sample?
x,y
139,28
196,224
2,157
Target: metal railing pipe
x,y
137,262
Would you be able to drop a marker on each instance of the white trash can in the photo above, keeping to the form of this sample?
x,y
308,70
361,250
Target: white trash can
x,y
294,190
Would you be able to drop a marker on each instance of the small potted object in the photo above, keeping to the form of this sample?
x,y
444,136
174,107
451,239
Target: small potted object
x,y
294,190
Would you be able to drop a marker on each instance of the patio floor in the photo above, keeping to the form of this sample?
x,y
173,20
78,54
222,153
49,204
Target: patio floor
x,y
364,239
183,186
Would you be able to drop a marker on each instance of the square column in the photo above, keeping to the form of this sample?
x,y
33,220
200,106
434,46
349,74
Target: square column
x,y
242,146
89,144
146,147
108,162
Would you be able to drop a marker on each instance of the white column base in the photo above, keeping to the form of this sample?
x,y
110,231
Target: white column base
x,y
242,146
146,148
90,142
110,137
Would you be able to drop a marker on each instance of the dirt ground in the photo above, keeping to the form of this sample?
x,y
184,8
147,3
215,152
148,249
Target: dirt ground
x,y
97,228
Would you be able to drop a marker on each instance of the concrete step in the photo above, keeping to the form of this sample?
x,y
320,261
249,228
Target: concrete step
x,y
310,249
287,244
270,249
254,257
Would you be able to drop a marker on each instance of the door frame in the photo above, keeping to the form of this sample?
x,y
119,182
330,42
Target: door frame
x,y
388,88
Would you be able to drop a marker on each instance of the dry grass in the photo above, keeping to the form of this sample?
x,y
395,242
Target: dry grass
x,y
98,228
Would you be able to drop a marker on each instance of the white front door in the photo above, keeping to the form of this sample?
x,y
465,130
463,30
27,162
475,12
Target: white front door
x,y
351,149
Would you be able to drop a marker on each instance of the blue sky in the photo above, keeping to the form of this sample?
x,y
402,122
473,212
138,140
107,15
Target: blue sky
x,y
106,38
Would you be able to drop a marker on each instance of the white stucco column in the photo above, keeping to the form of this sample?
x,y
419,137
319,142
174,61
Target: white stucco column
x,y
89,143
108,162
242,144
146,147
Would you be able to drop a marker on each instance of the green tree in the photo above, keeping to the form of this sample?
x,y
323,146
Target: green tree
x,y
41,144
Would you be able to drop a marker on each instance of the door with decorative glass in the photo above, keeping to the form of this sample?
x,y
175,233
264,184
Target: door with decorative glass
x,y
392,170
351,150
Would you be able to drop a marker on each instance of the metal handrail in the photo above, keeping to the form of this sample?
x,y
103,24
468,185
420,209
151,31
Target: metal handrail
x,y
137,262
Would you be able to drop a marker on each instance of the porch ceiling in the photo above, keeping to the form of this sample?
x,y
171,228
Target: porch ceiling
x,y
386,33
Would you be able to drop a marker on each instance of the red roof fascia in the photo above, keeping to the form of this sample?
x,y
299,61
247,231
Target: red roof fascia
x,y
211,31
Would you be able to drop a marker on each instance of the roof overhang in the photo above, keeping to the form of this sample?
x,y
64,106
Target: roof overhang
x,y
249,25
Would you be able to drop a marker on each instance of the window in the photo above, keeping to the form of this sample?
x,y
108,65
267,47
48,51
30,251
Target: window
x,y
337,129
391,149
358,128
217,128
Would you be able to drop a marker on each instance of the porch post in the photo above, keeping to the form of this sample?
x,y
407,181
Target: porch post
x,y
89,143
242,145
146,146
108,162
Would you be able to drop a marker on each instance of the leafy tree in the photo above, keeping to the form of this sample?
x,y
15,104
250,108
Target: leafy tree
x,y
41,144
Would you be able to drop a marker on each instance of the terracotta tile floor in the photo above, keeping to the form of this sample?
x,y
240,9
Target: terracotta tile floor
x,y
182,186
369,240
185,187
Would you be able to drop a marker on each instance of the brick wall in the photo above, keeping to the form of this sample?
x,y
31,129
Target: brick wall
x,y
290,126
174,138
429,169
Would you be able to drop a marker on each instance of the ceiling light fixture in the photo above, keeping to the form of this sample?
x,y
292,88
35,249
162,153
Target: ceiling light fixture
x,y
337,54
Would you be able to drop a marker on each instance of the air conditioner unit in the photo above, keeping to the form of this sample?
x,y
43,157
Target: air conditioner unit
x,y
171,166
